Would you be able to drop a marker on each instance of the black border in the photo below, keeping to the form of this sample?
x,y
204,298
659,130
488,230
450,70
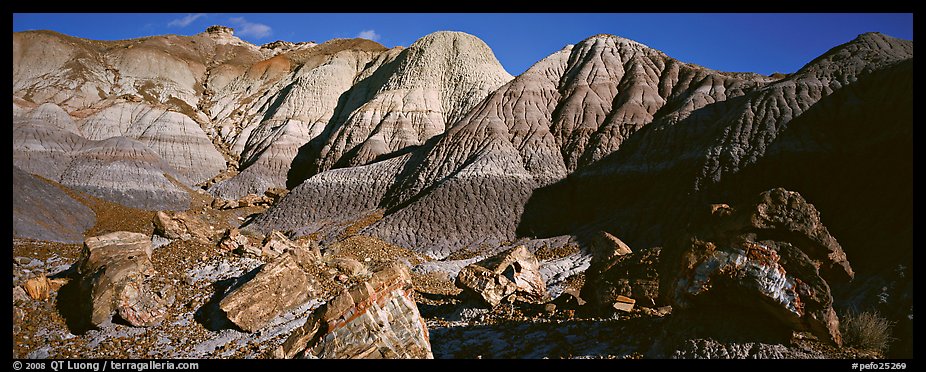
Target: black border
x,y
419,6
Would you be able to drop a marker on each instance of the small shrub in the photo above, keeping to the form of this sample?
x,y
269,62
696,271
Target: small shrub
x,y
866,331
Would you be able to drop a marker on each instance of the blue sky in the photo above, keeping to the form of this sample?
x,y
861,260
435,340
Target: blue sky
x,y
763,43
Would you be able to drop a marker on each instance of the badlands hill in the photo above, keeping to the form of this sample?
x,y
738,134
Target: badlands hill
x,y
211,102
632,126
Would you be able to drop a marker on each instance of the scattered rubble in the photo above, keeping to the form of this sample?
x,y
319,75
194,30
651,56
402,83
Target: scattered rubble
x,y
250,200
276,243
235,241
19,295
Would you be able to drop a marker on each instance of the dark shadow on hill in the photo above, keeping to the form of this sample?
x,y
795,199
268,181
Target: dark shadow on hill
x,y
850,154
637,192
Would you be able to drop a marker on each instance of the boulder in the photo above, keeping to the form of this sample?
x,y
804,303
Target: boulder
x,y
114,270
290,280
275,244
37,288
184,226
249,200
376,319
514,272
634,275
786,212
605,247
769,257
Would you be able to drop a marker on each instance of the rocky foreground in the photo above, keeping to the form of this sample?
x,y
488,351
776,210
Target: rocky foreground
x,y
190,285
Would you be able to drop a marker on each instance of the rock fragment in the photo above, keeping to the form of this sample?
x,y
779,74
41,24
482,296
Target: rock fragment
x,y
634,275
515,272
114,270
606,247
623,303
377,319
771,257
290,280
37,288
276,243
184,226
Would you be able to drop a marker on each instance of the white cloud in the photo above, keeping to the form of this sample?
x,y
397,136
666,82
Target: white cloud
x,y
185,21
369,35
245,28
